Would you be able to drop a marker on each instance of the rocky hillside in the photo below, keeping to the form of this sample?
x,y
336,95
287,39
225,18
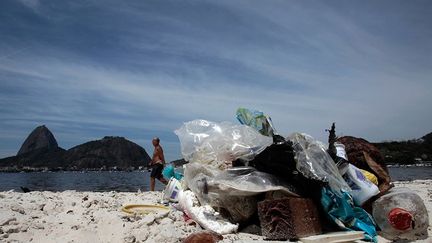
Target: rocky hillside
x,y
407,152
40,149
108,152
40,138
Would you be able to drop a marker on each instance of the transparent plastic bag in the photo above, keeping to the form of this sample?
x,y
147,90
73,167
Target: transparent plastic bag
x,y
196,177
234,189
247,181
218,144
313,161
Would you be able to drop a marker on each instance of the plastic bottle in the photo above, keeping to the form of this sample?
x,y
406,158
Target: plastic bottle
x,y
362,188
401,214
340,151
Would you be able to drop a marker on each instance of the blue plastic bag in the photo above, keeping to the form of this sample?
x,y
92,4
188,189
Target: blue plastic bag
x,y
169,172
342,211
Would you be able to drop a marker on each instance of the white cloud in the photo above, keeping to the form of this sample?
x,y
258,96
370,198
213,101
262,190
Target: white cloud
x,y
309,66
32,4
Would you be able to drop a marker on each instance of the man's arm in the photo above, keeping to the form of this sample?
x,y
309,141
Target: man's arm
x,y
161,154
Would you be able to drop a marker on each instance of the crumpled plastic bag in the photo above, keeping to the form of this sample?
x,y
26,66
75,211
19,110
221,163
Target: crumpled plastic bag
x,y
257,120
247,181
218,144
313,161
232,190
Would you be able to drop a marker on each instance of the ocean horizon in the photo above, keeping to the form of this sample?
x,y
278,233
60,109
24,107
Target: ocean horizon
x,y
133,181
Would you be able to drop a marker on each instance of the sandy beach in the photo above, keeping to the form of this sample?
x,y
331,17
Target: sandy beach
x,y
71,216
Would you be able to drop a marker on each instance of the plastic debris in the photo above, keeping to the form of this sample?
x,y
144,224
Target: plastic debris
x,y
238,172
401,214
145,209
204,215
334,237
257,120
362,188
218,144
172,191
340,151
313,161
370,176
366,156
342,211
234,189
276,159
169,172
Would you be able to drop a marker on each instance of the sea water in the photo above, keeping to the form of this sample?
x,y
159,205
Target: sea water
x,y
132,181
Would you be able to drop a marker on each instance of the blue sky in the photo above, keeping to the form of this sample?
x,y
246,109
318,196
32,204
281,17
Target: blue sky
x,y
139,69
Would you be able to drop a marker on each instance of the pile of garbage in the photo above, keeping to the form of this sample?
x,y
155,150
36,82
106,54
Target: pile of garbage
x,y
247,176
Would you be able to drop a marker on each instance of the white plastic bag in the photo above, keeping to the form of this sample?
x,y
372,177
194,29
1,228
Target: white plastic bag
x,y
205,215
218,144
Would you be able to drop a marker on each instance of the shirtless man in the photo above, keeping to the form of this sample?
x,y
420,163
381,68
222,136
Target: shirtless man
x,y
157,163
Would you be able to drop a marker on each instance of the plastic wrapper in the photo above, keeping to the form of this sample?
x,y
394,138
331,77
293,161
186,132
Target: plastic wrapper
x,y
257,120
218,144
204,215
313,161
232,190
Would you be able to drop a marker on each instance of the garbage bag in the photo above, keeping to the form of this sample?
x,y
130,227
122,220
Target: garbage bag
x,y
257,120
313,161
233,190
218,144
276,159
342,211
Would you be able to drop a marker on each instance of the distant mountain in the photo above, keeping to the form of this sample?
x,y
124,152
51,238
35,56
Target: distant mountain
x,y
427,139
40,138
109,152
407,152
40,149
43,157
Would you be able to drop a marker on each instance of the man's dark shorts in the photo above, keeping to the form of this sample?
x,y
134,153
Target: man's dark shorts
x,y
157,171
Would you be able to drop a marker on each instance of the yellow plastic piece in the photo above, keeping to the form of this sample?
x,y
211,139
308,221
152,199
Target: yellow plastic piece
x,y
144,209
370,176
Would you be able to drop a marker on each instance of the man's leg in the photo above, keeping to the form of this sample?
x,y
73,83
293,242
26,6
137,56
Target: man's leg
x,y
163,180
152,183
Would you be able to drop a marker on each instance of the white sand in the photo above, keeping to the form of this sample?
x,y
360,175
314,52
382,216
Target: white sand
x,y
71,216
